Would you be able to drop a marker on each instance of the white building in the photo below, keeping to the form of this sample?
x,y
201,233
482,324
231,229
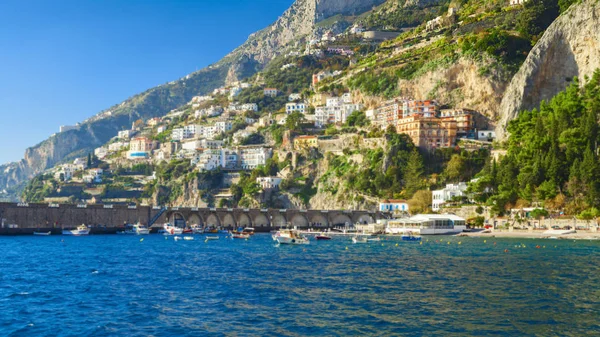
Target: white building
x,y
93,176
125,134
212,159
223,126
213,111
393,205
293,107
114,147
200,99
336,110
440,197
269,182
270,92
234,92
357,29
161,128
249,107
517,2
101,152
252,157
486,135
186,132
294,97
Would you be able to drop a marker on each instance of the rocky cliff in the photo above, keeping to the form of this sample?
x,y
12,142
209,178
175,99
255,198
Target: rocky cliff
x,y
297,22
461,85
570,47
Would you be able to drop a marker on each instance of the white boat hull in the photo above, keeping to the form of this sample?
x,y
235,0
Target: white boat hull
x,y
75,232
291,241
42,233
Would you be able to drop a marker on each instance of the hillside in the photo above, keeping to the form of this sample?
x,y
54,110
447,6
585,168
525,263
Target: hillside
x,y
297,22
346,121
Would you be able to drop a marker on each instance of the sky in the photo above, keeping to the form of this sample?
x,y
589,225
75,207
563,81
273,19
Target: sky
x,y
66,60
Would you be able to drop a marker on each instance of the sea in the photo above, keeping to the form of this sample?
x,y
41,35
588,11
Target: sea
x,y
113,285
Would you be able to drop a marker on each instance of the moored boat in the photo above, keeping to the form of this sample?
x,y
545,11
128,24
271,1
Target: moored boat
x,y
409,236
42,233
196,229
136,229
322,237
240,236
290,237
357,239
80,230
172,230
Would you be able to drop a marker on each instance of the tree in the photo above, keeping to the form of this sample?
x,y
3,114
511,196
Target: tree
x,y
420,202
455,168
413,173
294,120
357,118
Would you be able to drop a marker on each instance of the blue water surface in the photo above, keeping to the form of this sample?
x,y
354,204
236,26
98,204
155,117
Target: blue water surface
x,y
120,286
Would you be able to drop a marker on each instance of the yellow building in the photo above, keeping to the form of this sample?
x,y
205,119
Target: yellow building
x,y
305,142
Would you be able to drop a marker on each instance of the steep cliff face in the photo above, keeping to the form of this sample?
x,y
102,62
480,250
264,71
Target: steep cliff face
x,y
297,22
287,32
570,47
460,85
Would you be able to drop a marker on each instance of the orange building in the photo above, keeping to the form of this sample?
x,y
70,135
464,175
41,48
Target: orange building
x,y
429,132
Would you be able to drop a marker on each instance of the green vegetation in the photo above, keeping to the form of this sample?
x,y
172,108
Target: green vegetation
x,y
552,155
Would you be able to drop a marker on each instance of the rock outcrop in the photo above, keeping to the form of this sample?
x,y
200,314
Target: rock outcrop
x,y
460,85
570,47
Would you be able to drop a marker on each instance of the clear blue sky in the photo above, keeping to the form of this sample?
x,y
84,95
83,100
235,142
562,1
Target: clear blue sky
x,y
63,61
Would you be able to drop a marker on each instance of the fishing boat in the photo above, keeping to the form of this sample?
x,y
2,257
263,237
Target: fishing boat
x,y
211,238
290,237
210,230
409,236
247,230
240,236
188,231
322,237
196,229
42,233
172,230
135,229
81,230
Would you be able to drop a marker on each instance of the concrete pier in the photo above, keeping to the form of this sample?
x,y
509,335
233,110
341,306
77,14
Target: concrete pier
x,y
24,219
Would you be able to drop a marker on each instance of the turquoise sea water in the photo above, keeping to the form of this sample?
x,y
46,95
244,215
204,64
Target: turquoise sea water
x,y
119,286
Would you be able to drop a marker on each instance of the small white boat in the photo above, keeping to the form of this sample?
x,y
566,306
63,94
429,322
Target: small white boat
x,y
42,233
188,238
357,239
136,229
196,229
290,237
177,238
240,236
81,230
172,230
210,238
